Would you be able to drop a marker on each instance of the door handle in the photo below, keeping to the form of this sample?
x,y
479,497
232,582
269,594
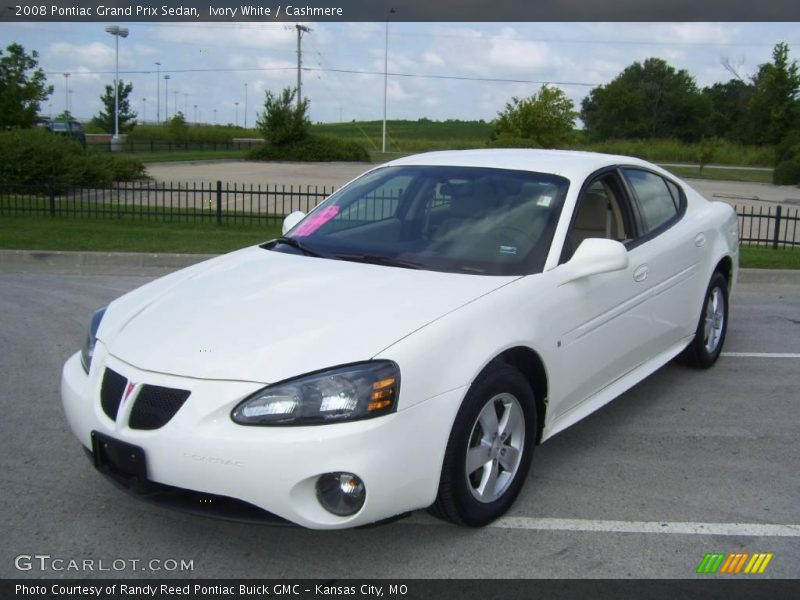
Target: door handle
x,y
640,274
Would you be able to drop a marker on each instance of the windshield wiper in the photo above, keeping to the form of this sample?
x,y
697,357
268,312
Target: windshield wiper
x,y
294,243
387,261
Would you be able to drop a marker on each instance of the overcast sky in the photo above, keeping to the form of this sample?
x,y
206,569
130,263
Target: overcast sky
x,y
575,55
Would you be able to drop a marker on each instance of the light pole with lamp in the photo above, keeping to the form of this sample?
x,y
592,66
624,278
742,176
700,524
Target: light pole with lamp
x,y
245,106
236,122
117,32
158,92
166,98
66,93
144,111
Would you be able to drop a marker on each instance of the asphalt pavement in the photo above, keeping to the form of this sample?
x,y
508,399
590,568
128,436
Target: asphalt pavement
x,y
686,463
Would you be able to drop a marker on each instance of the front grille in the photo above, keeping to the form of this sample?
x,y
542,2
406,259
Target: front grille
x,y
111,391
155,406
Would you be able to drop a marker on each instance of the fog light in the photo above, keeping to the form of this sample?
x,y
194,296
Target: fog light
x,y
341,494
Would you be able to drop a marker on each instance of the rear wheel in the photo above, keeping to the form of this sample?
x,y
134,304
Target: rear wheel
x,y
490,449
709,337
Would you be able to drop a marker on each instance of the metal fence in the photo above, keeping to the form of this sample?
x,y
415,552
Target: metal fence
x,y
218,202
774,226
133,145
221,203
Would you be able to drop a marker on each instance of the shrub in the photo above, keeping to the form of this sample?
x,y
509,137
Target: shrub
x,y
312,148
32,158
787,172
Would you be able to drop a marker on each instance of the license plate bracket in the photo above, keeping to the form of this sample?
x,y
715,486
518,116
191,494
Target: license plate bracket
x,y
119,459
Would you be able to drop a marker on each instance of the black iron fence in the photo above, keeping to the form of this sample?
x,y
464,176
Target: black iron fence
x,y
222,203
133,145
217,202
774,226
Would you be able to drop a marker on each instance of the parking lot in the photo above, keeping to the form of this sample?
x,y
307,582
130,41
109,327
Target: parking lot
x,y
684,464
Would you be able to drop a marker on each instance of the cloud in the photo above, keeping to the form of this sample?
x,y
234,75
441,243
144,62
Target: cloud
x,y
95,55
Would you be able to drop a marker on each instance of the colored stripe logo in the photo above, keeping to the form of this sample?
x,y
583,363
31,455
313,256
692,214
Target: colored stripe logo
x,y
735,562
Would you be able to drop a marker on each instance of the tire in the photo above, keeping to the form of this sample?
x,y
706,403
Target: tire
x,y
496,426
705,348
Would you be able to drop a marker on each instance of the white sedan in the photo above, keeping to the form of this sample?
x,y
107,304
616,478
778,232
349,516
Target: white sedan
x,y
409,342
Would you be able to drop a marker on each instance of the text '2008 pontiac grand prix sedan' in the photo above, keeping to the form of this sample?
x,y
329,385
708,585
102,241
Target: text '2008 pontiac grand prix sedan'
x,y
410,341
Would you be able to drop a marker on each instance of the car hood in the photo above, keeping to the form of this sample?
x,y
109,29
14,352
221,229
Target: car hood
x,y
263,316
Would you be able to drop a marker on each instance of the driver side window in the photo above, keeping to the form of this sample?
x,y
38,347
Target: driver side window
x,y
599,214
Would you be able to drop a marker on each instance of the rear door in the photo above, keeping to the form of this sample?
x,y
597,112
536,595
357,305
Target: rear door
x,y
668,253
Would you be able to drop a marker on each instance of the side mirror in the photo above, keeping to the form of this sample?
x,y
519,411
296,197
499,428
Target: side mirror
x,y
594,256
291,220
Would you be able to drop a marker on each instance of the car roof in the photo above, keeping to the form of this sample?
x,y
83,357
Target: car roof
x,y
571,164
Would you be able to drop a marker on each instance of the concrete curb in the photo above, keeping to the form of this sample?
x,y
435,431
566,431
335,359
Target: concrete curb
x,y
143,263
95,263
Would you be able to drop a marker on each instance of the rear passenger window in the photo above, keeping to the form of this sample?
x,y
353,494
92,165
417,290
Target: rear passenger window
x,y
657,202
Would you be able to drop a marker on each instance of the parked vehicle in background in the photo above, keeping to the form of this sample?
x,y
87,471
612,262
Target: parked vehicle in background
x,y
409,342
71,129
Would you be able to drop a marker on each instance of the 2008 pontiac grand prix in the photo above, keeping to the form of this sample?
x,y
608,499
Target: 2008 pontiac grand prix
x,y
409,342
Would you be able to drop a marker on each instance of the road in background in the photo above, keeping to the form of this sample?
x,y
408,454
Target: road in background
x,y
682,448
337,174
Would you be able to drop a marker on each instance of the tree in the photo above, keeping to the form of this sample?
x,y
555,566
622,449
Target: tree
x,y
177,129
22,87
127,118
547,119
647,100
284,122
729,102
774,109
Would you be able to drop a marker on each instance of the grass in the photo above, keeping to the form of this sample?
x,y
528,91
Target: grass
x,y
108,235
742,174
34,232
754,257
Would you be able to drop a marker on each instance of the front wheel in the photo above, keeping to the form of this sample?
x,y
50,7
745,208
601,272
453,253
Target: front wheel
x,y
706,347
490,449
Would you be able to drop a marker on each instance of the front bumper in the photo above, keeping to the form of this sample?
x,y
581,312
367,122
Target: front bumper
x,y
397,456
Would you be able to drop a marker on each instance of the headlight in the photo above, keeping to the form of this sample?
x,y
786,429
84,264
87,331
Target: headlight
x,y
358,391
91,339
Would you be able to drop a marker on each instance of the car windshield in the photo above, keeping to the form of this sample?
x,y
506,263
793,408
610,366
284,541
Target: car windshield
x,y
441,218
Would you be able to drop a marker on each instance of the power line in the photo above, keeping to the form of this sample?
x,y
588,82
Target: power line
x,y
349,71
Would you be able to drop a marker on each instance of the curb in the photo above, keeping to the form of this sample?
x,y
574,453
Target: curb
x,y
143,263
95,263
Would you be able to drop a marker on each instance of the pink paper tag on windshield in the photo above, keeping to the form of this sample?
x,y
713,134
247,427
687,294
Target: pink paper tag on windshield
x,y
315,221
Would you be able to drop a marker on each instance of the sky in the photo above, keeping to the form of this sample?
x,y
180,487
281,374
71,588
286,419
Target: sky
x,y
212,66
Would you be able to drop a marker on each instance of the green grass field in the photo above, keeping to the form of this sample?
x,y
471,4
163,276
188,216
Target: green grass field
x,y
107,235
39,232
741,174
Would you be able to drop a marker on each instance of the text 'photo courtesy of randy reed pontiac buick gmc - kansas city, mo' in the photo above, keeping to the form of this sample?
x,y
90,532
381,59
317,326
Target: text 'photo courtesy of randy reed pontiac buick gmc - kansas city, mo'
x,y
409,342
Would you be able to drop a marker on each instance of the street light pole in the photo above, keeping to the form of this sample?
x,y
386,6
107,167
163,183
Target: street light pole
x,y
66,92
245,105
158,92
237,114
215,116
386,77
144,110
166,98
117,32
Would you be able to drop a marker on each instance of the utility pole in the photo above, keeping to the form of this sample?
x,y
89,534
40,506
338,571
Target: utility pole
x,y
245,105
301,29
386,77
144,110
236,122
